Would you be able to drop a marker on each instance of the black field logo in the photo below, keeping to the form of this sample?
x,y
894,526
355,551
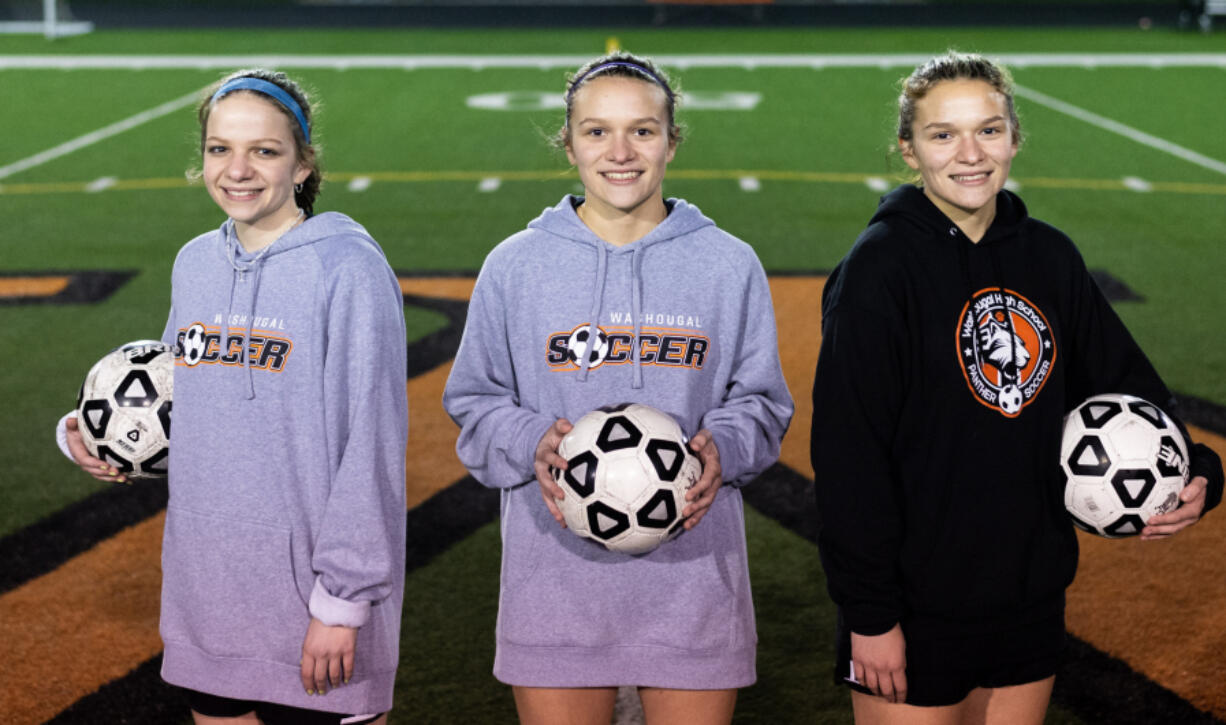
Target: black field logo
x,y
1006,349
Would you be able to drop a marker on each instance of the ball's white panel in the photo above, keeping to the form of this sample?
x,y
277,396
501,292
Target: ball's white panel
x,y
624,478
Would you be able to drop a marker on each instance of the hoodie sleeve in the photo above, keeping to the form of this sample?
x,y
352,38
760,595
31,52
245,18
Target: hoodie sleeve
x,y
1106,359
749,424
359,550
498,437
858,393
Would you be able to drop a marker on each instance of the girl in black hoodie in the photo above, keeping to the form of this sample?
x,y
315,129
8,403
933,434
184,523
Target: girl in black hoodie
x,y
956,334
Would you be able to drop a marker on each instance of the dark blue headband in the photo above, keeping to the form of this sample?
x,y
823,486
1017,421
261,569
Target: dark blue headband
x,y
625,64
272,90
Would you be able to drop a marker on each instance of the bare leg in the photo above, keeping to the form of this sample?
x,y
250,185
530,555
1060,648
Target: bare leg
x,y
687,707
248,719
873,710
1016,705
251,719
565,706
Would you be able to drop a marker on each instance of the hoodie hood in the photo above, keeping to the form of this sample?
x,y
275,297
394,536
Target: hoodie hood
x,y
910,202
248,266
563,221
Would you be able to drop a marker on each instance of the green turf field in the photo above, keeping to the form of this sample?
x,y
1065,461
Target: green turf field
x,y
813,143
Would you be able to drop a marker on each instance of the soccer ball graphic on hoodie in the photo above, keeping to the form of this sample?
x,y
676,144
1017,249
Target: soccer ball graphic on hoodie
x,y
1124,461
628,470
123,409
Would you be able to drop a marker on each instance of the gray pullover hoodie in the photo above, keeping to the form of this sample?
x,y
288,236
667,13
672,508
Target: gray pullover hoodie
x,y
287,464
686,316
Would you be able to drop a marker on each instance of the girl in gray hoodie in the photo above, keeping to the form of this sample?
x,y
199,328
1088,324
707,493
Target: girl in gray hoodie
x,y
284,545
686,313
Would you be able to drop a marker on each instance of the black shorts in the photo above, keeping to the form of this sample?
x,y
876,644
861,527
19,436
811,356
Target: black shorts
x,y
943,667
269,713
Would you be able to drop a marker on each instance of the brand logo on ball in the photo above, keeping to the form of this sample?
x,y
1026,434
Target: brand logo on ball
x,y
1006,349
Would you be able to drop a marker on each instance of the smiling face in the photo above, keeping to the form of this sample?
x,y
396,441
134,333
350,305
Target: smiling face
x,y
619,141
963,145
250,162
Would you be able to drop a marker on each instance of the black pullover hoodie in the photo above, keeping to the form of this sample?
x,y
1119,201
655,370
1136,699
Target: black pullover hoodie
x,y
935,441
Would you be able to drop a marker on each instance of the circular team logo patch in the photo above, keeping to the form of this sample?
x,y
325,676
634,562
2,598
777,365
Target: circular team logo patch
x,y
1006,349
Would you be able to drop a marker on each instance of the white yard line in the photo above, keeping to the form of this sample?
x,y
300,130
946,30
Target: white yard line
x,y
1116,127
549,62
95,136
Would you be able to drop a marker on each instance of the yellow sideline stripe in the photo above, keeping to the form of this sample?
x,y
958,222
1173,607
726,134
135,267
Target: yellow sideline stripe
x,y
818,177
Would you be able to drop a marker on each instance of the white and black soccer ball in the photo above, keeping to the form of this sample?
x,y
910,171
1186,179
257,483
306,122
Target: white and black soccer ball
x,y
1124,461
1011,399
577,345
628,470
123,409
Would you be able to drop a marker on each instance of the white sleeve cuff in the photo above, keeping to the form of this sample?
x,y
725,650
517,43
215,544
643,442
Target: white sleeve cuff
x,y
334,611
61,434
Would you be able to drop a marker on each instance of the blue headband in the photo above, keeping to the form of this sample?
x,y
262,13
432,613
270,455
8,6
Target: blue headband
x,y
272,90
623,63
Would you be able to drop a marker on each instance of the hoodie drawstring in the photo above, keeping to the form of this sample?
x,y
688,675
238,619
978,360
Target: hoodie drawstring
x,y
1014,340
602,262
255,292
240,271
636,303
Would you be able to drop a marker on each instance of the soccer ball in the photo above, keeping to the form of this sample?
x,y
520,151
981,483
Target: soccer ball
x,y
123,409
577,346
1124,461
1011,399
628,471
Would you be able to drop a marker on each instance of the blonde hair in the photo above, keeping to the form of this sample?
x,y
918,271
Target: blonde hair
x,y
948,67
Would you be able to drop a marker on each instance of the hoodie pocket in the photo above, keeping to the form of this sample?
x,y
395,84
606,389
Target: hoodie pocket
x,y
690,594
228,588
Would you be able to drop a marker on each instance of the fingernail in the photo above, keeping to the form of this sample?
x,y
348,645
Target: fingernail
x,y
347,679
310,692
